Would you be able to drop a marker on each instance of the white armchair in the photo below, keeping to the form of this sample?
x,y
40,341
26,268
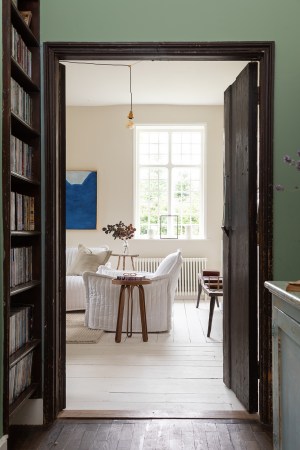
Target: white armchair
x,y
102,298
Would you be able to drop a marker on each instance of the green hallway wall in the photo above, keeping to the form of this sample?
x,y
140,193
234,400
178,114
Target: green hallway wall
x,y
203,20
1,248
209,20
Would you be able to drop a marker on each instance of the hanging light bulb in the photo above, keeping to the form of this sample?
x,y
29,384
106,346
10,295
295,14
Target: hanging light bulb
x,y
130,123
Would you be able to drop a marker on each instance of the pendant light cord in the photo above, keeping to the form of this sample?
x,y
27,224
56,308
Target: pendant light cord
x,y
130,88
130,116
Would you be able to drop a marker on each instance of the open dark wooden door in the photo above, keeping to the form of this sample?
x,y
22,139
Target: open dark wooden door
x,y
55,260
239,238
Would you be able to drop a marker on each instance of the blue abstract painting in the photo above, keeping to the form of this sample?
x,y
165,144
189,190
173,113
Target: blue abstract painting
x,y
81,200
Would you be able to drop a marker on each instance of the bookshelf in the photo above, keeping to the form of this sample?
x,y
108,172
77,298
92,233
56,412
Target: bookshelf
x,y
21,206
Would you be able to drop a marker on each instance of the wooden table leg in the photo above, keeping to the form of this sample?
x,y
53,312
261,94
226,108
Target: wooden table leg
x,y
143,313
120,314
129,310
199,293
211,313
132,262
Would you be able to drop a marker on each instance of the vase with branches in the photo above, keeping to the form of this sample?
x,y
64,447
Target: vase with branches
x,y
121,231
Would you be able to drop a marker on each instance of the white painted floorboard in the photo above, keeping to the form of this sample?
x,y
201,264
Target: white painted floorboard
x,y
181,370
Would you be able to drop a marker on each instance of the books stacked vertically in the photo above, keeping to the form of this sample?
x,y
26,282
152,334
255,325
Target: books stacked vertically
x,y
19,51
20,157
20,265
293,286
22,212
20,327
21,102
20,377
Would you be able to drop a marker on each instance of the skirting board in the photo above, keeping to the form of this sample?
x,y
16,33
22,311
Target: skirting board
x,y
3,442
114,414
31,413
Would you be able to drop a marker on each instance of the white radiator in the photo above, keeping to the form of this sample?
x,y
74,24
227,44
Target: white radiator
x,y
188,279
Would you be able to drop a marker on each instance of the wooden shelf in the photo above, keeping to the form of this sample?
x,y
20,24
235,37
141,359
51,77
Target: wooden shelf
x,y
22,78
23,397
24,287
24,179
23,351
29,293
24,233
19,125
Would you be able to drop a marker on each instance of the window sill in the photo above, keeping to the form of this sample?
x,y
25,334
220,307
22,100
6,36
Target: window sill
x,y
171,239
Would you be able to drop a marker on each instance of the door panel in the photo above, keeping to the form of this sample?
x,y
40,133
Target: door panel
x,y
55,312
239,238
226,231
61,241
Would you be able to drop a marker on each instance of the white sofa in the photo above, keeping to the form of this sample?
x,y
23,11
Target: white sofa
x,y
102,298
75,290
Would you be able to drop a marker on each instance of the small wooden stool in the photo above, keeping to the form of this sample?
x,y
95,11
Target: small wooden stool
x,y
129,286
209,277
213,294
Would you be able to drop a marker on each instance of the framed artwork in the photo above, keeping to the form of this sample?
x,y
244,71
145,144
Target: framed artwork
x,y
81,200
168,225
27,16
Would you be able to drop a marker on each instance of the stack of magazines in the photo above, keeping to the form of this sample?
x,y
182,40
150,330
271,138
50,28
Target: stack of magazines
x,y
131,276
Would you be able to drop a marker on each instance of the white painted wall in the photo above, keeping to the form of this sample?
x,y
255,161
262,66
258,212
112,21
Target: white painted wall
x,y
97,139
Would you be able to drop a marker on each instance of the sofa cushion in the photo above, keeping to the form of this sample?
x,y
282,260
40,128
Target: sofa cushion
x,y
88,261
167,263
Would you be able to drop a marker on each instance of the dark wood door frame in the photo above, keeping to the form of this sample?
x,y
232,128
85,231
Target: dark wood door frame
x,y
263,52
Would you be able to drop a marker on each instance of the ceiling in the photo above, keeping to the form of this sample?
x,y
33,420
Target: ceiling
x,y
97,83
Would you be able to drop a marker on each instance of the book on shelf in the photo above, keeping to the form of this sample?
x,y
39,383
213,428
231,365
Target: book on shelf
x,y
20,157
293,286
22,212
20,52
20,265
12,211
20,327
21,102
20,377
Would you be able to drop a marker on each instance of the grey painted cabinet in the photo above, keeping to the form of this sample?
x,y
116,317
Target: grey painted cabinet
x,y
286,366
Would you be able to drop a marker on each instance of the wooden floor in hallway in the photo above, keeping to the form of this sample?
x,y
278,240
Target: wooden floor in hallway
x,y
176,374
163,434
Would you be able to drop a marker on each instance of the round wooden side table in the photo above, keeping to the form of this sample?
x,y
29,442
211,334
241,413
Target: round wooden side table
x,y
129,285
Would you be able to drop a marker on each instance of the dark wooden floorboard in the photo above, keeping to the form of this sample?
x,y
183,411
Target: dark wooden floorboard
x,y
150,434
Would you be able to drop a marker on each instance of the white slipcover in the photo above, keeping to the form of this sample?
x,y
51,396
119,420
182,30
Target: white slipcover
x,y
102,300
75,290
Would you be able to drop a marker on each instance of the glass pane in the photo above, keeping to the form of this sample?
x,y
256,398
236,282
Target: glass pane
x,y
153,197
153,148
186,198
186,148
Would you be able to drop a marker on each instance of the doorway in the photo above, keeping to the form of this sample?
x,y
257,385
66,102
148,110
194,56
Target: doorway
x,y
55,264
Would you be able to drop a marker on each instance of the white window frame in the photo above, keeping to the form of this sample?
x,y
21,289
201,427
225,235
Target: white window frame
x,y
174,127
